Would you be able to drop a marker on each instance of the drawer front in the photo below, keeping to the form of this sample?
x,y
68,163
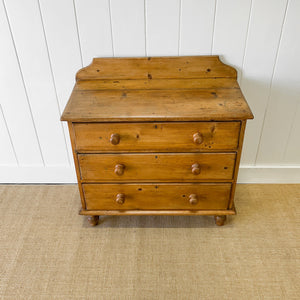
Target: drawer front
x,y
159,196
156,167
156,137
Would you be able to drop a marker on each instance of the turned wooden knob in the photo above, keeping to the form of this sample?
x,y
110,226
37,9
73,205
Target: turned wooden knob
x,y
196,169
120,199
197,138
193,199
115,138
119,169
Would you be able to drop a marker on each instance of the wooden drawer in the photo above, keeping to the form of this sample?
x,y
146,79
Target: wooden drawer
x,y
159,196
156,167
156,137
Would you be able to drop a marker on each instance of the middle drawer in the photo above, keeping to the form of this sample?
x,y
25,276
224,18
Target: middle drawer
x,y
184,167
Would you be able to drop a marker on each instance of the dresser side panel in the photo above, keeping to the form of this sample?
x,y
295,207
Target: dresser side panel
x,y
237,163
73,142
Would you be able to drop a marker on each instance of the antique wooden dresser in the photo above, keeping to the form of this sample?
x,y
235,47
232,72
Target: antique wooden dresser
x,y
157,136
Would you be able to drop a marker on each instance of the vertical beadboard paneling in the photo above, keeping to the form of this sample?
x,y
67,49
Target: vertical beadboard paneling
x,y
162,27
284,96
128,27
196,27
64,51
7,156
14,101
292,151
63,45
93,19
230,31
45,42
260,56
27,30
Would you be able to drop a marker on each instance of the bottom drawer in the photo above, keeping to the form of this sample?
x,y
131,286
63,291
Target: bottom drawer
x,y
156,196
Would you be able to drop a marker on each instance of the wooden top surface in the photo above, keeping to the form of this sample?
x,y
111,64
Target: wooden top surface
x,y
198,88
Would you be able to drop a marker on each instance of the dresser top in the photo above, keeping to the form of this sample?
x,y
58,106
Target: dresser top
x,y
191,88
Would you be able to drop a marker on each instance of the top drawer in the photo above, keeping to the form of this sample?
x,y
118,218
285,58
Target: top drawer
x,y
152,137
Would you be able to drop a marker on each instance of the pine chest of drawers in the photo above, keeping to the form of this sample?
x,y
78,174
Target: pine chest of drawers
x,y
157,136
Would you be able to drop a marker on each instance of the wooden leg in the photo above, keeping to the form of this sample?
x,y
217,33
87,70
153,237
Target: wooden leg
x,y
220,220
93,220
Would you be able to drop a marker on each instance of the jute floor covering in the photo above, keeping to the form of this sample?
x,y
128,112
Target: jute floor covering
x,y
48,251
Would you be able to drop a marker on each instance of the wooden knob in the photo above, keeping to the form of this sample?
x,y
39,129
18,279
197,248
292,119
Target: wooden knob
x,y
120,199
115,138
119,169
193,199
196,169
197,138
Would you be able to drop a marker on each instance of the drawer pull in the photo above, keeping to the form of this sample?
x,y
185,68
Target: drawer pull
x,y
115,138
193,199
119,169
197,138
120,199
196,169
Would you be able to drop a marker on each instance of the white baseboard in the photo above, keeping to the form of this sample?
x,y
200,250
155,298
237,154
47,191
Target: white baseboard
x,y
66,174
269,174
37,174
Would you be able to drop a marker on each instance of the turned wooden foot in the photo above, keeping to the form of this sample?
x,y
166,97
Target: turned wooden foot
x,y
220,220
93,220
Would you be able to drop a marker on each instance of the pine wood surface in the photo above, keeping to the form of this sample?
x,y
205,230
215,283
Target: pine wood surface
x,y
156,68
157,84
191,88
145,130
157,167
159,196
237,163
156,105
73,141
157,137
158,212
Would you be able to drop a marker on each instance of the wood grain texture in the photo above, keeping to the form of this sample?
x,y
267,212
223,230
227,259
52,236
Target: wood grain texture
x,y
157,84
156,105
156,137
73,141
163,212
106,115
237,164
156,68
156,167
159,196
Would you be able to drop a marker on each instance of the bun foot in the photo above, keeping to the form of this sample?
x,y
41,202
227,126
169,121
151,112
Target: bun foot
x,y
220,220
93,220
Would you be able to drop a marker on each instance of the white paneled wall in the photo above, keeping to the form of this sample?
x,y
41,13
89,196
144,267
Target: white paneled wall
x,y
44,43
